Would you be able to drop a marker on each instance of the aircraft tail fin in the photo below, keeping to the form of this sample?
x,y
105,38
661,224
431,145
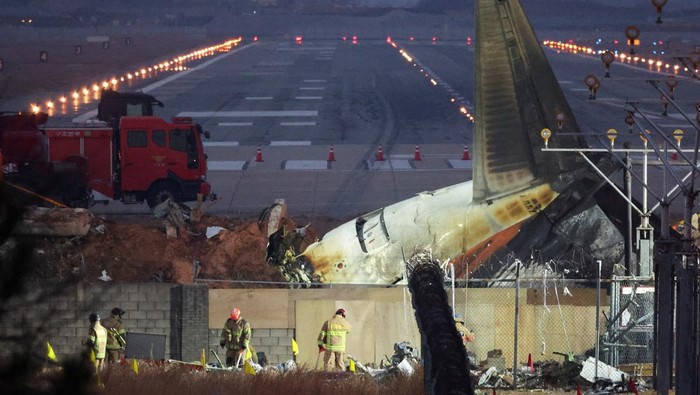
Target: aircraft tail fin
x,y
516,96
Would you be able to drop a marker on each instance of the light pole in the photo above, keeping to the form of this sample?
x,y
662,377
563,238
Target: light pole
x,y
607,57
632,34
659,4
593,83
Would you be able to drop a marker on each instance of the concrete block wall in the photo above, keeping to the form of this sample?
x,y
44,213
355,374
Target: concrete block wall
x,y
195,321
59,315
276,343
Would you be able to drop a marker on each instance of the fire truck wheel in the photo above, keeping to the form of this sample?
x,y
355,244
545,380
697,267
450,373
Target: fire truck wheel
x,y
162,191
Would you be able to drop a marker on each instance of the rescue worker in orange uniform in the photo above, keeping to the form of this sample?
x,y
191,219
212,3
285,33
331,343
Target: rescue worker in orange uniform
x,y
331,340
235,337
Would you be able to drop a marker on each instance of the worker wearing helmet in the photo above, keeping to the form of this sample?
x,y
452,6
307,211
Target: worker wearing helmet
x,y
116,335
331,340
235,337
97,341
465,333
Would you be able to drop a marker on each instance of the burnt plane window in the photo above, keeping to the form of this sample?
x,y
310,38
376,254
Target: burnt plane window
x,y
158,138
371,231
136,138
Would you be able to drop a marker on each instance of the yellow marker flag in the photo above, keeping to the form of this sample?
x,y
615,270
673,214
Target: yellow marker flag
x,y
248,368
248,354
203,358
134,366
49,353
352,365
295,347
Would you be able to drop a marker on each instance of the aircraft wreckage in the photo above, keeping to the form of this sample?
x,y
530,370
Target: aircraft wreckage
x,y
522,205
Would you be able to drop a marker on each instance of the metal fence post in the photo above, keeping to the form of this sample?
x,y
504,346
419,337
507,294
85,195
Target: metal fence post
x,y
515,327
597,321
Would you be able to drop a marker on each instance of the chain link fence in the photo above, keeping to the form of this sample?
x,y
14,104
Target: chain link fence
x,y
544,316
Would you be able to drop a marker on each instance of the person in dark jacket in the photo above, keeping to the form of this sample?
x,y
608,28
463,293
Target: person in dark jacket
x,y
116,335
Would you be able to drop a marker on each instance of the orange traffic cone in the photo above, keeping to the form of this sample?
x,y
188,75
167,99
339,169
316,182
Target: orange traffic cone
x,y
331,154
529,363
416,155
258,155
380,153
465,154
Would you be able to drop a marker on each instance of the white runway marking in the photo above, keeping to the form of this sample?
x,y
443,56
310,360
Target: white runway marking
x,y
312,88
309,97
220,144
297,123
247,114
459,164
287,143
258,98
391,164
315,81
226,165
306,165
235,123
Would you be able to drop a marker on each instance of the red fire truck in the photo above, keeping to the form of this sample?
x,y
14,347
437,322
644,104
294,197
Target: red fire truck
x,y
139,158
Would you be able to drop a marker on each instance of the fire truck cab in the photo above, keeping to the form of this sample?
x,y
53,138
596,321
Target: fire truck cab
x,y
145,158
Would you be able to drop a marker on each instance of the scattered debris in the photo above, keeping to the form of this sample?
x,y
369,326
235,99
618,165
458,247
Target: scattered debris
x,y
198,211
494,358
605,371
54,222
213,231
99,229
174,217
402,351
274,214
104,277
281,251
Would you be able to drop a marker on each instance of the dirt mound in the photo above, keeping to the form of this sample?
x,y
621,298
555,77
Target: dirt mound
x,y
137,250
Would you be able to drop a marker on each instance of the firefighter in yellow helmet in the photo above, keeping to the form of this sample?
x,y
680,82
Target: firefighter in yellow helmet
x,y
331,340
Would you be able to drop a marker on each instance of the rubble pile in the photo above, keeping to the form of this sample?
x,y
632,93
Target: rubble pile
x,y
137,249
